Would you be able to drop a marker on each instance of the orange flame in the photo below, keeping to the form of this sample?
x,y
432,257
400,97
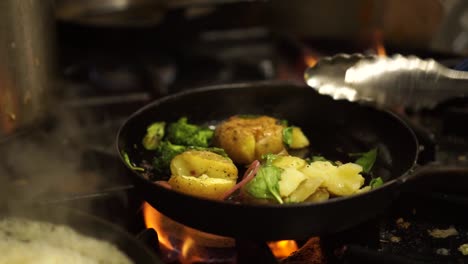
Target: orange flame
x,y
193,245
283,248
379,43
310,60
153,219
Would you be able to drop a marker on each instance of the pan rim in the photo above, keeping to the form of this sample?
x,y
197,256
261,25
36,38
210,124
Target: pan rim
x,y
398,180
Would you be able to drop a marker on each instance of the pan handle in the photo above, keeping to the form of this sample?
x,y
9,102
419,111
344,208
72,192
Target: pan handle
x,y
451,178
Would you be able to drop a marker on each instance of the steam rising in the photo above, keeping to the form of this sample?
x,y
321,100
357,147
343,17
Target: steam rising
x,y
45,163
50,166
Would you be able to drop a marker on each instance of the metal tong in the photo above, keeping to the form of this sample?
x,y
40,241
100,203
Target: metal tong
x,y
396,81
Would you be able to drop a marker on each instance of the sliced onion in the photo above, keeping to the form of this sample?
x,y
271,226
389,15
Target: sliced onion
x,y
164,184
248,175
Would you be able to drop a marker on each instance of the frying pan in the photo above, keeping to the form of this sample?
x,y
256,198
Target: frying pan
x,y
87,225
335,128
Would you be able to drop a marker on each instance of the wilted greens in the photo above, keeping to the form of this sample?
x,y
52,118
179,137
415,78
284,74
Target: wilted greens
x,y
366,160
265,184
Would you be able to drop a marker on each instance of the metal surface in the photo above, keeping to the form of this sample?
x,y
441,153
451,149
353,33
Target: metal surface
x,y
112,12
395,81
26,62
85,224
126,12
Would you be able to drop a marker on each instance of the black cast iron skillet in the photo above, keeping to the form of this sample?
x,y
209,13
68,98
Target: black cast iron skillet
x,y
85,224
335,128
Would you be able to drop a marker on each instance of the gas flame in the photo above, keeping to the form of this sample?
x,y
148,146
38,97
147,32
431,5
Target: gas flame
x,y
283,248
378,43
153,219
195,246
191,245
310,60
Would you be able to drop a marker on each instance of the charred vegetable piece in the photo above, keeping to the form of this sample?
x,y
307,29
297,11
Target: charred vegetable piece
x,y
154,135
183,133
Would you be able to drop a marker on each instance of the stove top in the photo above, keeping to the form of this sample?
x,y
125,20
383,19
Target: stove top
x,y
75,149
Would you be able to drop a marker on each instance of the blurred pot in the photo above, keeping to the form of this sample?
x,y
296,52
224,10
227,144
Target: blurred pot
x,y
26,62
126,13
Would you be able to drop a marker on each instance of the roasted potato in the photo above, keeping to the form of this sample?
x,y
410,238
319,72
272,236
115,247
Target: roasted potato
x,y
320,195
339,180
346,181
196,163
299,140
289,162
306,189
202,173
290,180
202,186
247,138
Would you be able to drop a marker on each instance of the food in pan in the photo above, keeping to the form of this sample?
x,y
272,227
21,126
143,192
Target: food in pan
x,y
289,179
201,161
247,138
170,140
27,241
202,173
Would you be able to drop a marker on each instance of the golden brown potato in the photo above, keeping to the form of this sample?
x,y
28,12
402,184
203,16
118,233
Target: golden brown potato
x,y
305,190
341,180
247,138
202,186
319,196
196,163
202,173
286,161
290,180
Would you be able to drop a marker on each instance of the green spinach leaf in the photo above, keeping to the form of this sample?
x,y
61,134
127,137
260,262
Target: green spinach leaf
x,y
130,164
265,184
366,160
376,182
269,158
284,122
287,136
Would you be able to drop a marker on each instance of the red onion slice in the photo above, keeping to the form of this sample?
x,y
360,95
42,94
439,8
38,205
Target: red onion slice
x,y
164,184
248,175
